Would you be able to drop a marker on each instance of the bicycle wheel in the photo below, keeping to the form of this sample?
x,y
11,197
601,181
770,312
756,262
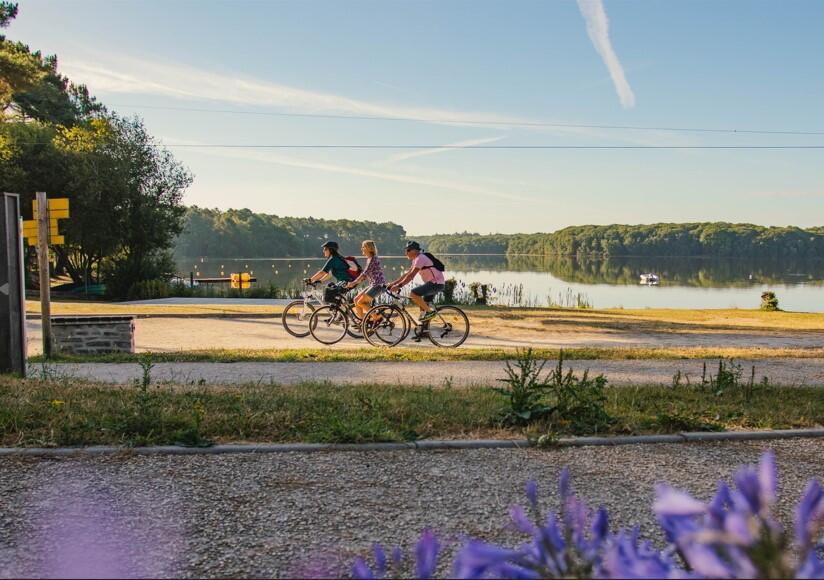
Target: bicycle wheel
x,y
295,318
385,325
449,328
328,324
354,329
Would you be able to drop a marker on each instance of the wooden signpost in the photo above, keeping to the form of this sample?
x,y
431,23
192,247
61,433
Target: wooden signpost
x,y
12,291
42,231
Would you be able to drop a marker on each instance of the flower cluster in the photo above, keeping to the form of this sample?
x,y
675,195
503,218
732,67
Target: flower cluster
x,y
735,535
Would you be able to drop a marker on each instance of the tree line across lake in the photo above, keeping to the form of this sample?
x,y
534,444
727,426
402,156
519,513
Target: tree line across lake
x,y
709,239
243,233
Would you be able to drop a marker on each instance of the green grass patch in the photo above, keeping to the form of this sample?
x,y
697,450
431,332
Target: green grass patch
x,y
71,413
370,354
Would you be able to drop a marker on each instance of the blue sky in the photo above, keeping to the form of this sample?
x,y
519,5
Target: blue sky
x,y
746,64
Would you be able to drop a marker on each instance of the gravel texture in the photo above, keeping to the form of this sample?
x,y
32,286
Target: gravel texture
x,y
620,372
270,515
172,334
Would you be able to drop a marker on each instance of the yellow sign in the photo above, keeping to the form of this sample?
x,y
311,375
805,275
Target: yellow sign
x,y
58,210
242,280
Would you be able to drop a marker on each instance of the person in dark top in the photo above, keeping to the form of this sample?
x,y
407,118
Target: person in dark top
x,y
335,265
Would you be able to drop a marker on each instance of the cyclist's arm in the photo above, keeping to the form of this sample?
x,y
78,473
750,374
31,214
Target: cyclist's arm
x,y
405,278
319,276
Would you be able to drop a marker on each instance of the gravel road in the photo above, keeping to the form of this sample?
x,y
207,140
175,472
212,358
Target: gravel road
x,y
271,515
172,334
779,371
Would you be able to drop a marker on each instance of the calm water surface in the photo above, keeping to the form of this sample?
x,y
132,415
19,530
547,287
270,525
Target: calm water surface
x,y
604,283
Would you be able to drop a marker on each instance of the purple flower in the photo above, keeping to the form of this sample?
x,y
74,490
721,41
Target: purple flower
x,y
426,555
477,559
809,515
670,502
532,493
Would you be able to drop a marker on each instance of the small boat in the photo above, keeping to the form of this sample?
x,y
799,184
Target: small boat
x,y
650,279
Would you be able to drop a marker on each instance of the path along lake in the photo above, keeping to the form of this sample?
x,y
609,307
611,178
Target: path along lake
x,y
602,283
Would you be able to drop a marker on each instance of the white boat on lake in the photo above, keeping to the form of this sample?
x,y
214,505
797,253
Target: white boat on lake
x,y
650,279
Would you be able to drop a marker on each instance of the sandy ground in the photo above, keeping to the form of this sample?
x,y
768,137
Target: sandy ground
x,y
621,372
171,334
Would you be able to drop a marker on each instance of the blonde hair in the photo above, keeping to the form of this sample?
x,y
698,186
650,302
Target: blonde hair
x,y
369,248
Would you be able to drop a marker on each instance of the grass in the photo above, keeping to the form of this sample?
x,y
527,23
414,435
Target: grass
x,y
432,354
67,412
88,308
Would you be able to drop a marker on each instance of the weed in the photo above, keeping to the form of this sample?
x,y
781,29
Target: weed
x,y
525,392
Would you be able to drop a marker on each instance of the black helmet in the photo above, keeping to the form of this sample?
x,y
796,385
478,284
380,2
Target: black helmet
x,y
331,246
413,246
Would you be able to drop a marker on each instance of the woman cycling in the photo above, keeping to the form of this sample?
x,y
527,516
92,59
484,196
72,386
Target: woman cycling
x,y
374,273
335,265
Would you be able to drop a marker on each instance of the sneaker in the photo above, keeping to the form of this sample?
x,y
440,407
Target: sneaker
x,y
428,315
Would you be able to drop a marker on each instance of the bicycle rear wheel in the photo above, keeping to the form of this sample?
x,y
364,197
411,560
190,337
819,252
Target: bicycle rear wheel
x,y
449,328
385,325
328,325
295,318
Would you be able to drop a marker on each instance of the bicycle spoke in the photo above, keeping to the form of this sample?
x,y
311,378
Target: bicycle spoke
x,y
385,326
328,325
449,328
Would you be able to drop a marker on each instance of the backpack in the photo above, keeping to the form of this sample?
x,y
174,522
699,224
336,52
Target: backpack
x,y
436,263
354,267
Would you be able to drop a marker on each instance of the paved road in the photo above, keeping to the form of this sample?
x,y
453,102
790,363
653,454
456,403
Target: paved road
x,y
779,371
171,334
280,514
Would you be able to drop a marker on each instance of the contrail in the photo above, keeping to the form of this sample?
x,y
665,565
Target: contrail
x,y
598,29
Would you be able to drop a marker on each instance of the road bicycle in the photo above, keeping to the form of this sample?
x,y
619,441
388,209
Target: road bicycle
x,y
297,313
329,323
390,324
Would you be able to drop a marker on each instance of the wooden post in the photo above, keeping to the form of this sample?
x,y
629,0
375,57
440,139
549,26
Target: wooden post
x,y
43,266
12,290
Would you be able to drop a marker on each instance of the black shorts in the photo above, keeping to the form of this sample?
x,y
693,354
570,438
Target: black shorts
x,y
427,289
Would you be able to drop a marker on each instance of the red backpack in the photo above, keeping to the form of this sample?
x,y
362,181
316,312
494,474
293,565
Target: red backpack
x,y
354,267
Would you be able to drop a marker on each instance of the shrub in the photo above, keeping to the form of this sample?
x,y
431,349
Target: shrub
x,y
735,535
149,290
769,301
562,398
449,291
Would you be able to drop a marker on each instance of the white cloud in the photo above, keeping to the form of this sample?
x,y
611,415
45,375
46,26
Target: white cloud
x,y
448,147
598,30
126,75
284,160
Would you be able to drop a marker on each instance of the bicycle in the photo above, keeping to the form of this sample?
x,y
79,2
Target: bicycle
x,y
336,318
390,324
296,315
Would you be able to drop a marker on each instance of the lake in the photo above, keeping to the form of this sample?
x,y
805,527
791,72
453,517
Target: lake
x,y
566,281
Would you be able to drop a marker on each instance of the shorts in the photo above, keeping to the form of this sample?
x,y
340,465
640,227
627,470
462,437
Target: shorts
x,y
374,291
427,289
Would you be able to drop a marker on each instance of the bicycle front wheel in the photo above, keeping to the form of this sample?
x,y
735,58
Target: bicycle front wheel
x,y
328,325
385,325
449,328
295,318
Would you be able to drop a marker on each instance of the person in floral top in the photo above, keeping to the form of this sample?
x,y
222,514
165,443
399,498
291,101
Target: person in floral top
x,y
373,272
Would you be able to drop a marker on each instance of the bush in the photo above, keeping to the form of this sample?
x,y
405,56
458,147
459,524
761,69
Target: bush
x,y
561,398
149,290
769,301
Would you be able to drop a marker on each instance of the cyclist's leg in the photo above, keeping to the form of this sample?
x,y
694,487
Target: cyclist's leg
x,y
362,303
424,295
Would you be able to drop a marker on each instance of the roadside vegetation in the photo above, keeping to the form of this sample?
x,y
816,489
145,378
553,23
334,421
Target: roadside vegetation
x,y
60,411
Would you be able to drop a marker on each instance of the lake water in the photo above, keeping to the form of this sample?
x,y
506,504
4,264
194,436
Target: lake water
x,y
603,283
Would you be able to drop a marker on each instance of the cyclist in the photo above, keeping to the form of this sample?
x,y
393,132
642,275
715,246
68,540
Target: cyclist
x,y
433,280
372,272
335,265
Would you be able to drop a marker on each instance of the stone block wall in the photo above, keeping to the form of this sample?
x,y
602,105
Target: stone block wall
x,y
93,334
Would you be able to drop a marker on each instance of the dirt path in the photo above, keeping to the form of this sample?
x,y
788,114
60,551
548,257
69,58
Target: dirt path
x,y
621,372
171,334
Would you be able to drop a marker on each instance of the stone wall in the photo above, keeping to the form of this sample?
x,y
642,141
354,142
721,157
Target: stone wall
x,y
93,334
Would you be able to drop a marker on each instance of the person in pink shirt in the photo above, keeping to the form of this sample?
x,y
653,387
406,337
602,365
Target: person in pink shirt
x,y
433,280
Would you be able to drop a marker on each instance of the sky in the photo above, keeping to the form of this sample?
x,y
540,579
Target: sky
x,y
482,73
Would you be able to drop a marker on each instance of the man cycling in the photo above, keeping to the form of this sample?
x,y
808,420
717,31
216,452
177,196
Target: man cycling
x,y
433,280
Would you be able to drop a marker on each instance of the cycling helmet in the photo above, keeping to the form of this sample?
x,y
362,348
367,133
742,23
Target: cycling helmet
x,y
413,246
331,246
